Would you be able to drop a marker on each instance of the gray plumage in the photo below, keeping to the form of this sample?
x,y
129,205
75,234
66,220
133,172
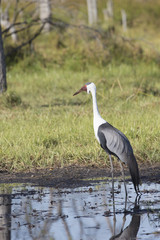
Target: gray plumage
x,y
114,142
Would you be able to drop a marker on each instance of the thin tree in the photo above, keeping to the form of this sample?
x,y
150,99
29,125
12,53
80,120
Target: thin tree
x,y
92,11
45,13
3,81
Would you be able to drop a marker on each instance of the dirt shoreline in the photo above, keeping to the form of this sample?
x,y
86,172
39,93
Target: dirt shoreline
x,y
75,176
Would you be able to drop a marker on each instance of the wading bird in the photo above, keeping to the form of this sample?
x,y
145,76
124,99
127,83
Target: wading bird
x,y
113,141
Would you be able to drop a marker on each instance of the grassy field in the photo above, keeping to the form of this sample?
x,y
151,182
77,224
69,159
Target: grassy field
x,y
42,125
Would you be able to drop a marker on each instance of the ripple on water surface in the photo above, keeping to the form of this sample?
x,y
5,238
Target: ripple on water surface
x,y
28,212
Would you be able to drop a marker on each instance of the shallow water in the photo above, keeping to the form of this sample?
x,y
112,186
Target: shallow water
x,y
88,213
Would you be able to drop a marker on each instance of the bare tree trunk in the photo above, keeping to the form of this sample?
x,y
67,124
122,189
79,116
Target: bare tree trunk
x,y
108,12
124,20
92,11
45,13
3,81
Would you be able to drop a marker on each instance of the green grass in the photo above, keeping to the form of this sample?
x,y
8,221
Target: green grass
x,y
49,127
43,125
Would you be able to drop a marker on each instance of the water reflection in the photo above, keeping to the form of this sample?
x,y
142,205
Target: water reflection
x,y
28,212
5,213
130,232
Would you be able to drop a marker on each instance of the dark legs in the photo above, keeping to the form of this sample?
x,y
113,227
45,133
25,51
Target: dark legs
x,y
112,174
112,188
122,170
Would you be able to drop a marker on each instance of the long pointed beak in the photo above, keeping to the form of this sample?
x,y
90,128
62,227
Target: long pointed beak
x,y
84,88
80,90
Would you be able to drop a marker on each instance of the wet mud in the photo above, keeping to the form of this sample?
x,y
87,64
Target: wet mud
x,y
78,203
74,176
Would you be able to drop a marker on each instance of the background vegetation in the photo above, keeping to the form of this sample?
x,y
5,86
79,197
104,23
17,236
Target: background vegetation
x,y
43,125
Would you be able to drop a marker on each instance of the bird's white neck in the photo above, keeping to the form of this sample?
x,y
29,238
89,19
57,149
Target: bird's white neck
x,y
97,119
95,107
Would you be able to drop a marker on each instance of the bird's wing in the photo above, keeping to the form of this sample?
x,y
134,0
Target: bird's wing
x,y
115,141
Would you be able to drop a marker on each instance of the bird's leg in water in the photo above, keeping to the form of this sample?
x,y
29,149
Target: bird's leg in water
x,y
112,173
114,218
124,217
122,170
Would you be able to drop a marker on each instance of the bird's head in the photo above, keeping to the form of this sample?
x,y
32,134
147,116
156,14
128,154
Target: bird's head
x,y
88,87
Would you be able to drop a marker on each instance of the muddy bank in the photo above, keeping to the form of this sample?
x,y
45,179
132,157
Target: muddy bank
x,y
74,176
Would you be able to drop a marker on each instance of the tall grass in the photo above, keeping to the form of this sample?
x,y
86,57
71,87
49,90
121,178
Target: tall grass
x,y
43,125
52,128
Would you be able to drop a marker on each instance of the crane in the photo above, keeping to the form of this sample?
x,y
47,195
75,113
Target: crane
x,y
113,141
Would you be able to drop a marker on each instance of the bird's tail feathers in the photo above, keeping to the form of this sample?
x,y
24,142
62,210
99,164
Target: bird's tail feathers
x,y
134,171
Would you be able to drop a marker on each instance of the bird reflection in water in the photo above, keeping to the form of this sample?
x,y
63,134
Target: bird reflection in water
x,y
130,232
